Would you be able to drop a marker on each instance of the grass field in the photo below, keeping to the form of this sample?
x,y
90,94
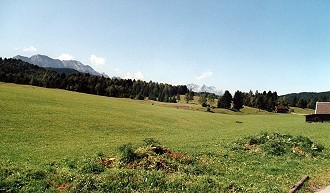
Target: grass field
x,y
39,126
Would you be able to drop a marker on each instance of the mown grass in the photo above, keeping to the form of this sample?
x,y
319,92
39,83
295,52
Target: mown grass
x,y
300,111
39,126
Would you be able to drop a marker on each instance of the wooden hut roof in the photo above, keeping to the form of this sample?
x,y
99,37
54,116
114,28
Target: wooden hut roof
x,y
322,108
282,107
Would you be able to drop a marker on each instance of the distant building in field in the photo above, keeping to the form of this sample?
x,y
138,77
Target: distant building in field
x,y
322,113
281,109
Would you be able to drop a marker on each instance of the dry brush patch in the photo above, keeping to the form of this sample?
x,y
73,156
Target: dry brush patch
x,y
152,156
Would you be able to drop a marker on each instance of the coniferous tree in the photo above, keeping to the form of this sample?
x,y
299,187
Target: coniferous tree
x,y
311,104
283,101
225,100
270,105
191,95
248,99
294,101
140,96
187,97
210,98
323,98
260,102
178,97
202,100
302,103
238,100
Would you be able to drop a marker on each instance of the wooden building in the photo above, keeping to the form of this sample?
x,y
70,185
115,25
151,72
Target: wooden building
x,y
281,109
322,113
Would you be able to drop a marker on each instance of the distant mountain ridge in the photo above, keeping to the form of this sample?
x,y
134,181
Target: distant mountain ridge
x,y
48,62
204,88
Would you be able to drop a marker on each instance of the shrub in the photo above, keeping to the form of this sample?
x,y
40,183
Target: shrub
x,y
92,167
72,164
277,144
275,148
86,184
20,180
127,153
36,175
151,141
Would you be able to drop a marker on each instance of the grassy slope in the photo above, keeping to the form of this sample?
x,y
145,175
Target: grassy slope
x,y
301,111
39,125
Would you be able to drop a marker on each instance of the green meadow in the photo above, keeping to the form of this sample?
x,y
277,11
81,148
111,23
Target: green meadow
x,y
39,126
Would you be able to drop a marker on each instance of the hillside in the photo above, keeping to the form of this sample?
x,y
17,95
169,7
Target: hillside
x,y
308,96
57,130
20,72
67,71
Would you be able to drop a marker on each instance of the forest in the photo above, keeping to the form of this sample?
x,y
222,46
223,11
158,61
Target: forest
x,y
306,99
19,72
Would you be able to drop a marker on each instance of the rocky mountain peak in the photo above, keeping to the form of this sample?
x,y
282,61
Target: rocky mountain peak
x,y
48,62
204,88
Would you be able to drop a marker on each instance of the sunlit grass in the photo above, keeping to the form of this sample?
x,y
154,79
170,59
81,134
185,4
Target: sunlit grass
x,y
39,125
296,110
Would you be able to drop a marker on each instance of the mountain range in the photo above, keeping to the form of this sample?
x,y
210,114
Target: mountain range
x,y
48,62
204,88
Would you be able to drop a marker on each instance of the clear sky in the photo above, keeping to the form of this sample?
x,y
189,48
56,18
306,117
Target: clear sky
x,y
282,46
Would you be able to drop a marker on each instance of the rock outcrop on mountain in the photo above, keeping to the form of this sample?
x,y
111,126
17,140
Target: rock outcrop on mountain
x,y
47,62
204,88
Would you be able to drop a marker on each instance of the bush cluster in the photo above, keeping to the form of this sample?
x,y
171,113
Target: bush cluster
x,y
277,144
152,156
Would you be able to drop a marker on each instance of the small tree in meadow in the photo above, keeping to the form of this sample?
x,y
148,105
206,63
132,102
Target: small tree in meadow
x,y
189,96
178,97
211,99
202,100
225,100
238,100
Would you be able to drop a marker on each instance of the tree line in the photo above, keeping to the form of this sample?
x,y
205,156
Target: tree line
x,y
296,101
264,100
306,99
19,72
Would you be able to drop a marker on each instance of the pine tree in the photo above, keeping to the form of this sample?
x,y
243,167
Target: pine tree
x,y
225,100
238,100
302,103
283,101
311,104
260,102
294,101
186,97
178,97
202,100
210,98
189,96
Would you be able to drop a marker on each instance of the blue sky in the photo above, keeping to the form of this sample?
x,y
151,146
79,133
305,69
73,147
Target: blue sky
x,y
282,46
